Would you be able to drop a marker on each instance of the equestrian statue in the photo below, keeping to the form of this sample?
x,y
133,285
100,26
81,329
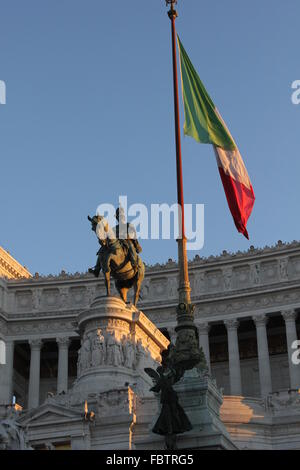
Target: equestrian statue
x,y
118,255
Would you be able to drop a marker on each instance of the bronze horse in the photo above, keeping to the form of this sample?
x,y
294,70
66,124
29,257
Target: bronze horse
x,y
114,259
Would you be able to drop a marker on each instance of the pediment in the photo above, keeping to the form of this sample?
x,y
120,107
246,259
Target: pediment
x,y
50,413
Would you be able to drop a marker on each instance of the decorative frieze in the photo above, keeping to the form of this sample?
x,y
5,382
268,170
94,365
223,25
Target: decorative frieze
x,y
199,283
101,348
36,298
255,274
227,277
50,298
64,297
172,287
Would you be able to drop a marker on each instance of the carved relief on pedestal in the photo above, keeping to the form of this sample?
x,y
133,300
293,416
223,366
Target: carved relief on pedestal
x,y
113,402
98,349
102,348
129,353
84,355
114,355
150,349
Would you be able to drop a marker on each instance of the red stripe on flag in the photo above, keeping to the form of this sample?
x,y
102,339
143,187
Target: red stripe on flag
x,y
240,201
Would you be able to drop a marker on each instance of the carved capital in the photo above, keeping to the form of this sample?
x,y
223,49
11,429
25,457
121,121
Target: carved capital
x,y
203,328
289,315
260,320
232,324
35,343
63,342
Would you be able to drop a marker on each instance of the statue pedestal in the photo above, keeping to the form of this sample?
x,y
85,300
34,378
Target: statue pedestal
x,y
117,342
110,405
201,400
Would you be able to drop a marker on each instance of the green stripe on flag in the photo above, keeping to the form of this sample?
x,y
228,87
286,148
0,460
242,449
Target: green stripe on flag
x,y
202,121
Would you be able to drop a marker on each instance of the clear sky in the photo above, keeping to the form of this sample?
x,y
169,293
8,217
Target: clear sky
x,y
89,116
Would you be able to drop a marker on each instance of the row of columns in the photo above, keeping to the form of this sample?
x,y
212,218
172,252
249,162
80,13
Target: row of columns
x,y
6,381
262,349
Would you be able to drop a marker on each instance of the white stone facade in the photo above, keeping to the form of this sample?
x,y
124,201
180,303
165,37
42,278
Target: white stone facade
x,y
247,308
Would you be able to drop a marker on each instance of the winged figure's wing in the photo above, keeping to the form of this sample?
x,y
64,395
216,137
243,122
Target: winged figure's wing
x,y
153,374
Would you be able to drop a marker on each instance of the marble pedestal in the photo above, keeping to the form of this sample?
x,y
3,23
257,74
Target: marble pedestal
x,y
201,401
117,342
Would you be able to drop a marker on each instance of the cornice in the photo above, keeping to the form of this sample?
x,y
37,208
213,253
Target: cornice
x,y
237,258
225,257
11,268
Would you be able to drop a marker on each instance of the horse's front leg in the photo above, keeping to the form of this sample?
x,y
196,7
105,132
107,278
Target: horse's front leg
x,y
107,274
138,281
107,282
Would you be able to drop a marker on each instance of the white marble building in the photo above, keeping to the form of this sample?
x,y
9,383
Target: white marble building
x,y
247,308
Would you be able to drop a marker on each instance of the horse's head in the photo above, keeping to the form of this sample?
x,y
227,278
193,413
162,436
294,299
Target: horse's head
x,y
94,221
103,231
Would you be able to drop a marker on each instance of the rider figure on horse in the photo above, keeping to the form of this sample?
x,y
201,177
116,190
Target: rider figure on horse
x,y
127,235
118,256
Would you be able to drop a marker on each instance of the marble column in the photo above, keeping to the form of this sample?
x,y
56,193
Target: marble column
x,y
6,371
291,336
203,330
34,373
62,373
234,357
263,355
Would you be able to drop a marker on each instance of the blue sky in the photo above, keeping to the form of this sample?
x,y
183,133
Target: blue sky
x,y
89,116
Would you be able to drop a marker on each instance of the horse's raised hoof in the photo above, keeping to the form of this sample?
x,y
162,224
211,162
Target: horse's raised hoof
x,y
95,272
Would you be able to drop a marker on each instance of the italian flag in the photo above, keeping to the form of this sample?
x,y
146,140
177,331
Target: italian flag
x,y
204,123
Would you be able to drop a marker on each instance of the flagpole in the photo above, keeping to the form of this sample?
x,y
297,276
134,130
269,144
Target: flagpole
x,y
184,284
187,350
